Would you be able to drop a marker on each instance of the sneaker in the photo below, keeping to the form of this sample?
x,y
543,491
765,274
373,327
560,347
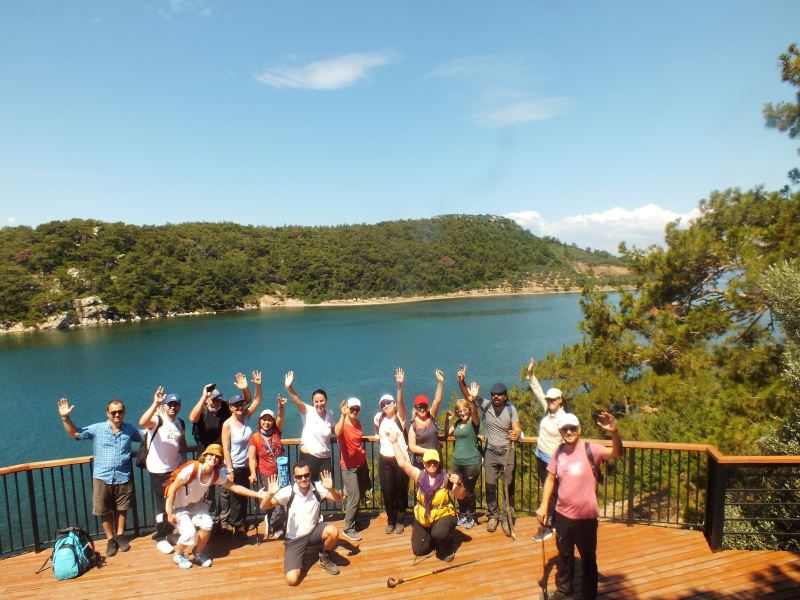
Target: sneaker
x,y
544,533
111,548
164,547
389,528
123,544
506,527
449,557
399,528
491,526
204,560
326,563
182,561
276,535
461,520
352,534
469,523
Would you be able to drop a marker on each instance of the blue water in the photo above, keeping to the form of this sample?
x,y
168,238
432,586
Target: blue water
x,y
349,351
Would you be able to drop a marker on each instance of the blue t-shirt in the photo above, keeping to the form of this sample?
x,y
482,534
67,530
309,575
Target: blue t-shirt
x,y
112,452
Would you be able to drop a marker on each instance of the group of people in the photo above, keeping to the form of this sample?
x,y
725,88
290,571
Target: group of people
x,y
253,464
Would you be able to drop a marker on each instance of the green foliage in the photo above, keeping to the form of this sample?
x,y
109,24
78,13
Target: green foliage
x,y
220,266
785,116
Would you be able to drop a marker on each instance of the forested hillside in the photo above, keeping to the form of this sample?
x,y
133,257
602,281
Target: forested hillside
x,y
148,270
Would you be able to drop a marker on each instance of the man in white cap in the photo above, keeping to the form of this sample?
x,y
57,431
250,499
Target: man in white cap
x,y
576,468
353,462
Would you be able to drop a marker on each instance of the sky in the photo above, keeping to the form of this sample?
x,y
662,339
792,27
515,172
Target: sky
x,y
592,122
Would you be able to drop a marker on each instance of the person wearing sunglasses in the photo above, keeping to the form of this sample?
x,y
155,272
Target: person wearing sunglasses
x,y
547,440
353,463
304,526
466,454
236,434
112,484
423,432
575,466
266,447
434,512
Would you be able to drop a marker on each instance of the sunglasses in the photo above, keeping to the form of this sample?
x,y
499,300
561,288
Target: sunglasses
x,y
499,395
553,399
568,429
421,408
238,405
302,476
355,409
173,405
114,413
429,463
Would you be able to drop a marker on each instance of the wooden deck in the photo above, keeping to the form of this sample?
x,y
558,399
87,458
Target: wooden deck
x,y
634,562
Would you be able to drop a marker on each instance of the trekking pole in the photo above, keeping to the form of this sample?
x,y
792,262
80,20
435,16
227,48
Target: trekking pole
x,y
393,583
544,574
506,471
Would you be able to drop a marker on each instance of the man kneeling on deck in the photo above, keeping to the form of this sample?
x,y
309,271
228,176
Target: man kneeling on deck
x,y
304,526
576,467
186,507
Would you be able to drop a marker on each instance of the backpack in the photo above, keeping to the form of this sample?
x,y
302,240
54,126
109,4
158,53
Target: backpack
x,y
144,447
397,422
194,473
599,478
73,554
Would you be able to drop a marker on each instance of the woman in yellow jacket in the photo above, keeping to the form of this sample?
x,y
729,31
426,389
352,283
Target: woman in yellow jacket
x,y
434,513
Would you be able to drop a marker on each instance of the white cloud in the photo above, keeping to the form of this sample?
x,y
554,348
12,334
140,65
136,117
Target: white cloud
x,y
522,111
503,68
640,227
11,220
330,74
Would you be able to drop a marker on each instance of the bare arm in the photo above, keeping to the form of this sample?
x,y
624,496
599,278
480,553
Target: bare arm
x,y
288,382
402,458
412,441
474,390
273,486
256,379
281,412
462,385
399,377
339,426
252,459
458,486
64,409
609,424
148,418
547,491
536,387
437,396
516,431
177,484
197,409
226,448
327,482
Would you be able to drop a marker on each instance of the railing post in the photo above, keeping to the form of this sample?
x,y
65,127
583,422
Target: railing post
x,y
37,543
631,483
716,484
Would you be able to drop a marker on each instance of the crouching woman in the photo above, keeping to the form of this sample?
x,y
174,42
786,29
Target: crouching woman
x,y
434,513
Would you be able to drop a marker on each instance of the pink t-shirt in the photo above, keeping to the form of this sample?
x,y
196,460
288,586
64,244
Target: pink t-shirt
x,y
576,484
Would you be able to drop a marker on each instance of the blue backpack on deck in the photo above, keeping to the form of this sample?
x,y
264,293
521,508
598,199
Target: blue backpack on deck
x,y
73,553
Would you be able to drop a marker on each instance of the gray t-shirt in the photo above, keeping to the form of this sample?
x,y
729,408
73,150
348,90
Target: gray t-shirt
x,y
497,426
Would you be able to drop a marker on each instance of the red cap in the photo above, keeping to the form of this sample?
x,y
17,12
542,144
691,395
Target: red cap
x,y
421,400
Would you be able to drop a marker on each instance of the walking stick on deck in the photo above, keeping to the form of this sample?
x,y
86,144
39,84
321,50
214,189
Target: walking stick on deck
x,y
545,595
506,472
393,583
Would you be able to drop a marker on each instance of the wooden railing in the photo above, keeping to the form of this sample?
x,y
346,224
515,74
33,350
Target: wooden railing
x,y
738,501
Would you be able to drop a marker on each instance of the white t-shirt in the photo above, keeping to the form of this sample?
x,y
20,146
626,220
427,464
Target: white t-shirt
x,y
304,513
194,492
316,432
389,424
164,453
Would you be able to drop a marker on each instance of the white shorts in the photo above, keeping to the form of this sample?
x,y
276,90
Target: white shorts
x,y
190,519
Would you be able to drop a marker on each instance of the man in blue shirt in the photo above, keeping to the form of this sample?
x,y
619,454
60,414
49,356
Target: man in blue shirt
x,y
112,486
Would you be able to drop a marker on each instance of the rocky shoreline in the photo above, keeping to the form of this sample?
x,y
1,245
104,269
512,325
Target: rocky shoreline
x,y
91,311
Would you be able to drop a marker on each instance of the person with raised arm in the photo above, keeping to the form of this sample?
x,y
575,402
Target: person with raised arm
x,y
503,428
236,433
423,432
394,481
466,461
186,508
318,427
304,525
576,467
265,448
166,450
434,513
112,484
353,463
547,440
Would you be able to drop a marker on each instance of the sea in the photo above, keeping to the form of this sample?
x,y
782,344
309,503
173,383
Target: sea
x,y
346,350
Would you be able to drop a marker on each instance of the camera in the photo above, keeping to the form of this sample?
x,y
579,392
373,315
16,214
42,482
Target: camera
x,y
211,387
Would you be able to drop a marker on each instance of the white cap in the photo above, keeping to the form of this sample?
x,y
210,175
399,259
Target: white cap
x,y
267,412
568,419
351,402
553,394
386,398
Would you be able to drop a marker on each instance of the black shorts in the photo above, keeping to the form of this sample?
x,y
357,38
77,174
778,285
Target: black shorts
x,y
294,549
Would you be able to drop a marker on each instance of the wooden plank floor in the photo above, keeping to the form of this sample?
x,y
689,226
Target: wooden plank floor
x,y
635,562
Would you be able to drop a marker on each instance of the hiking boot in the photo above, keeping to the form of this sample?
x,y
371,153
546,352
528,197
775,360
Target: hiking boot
x,y
469,523
389,528
544,533
491,526
123,544
461,520
276,535
399,528
326,563
506,527
182,561
449,557
112,547
352,535
204,560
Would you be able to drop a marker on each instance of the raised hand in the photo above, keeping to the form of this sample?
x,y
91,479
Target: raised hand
x,y
530,367
455,479
449,415
439,375
288,380
399,376
326,479
240,381
273,485
391,436
608,422
63,407
158,397
343,406
281,401
256,377
206,390
462,373
474,389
